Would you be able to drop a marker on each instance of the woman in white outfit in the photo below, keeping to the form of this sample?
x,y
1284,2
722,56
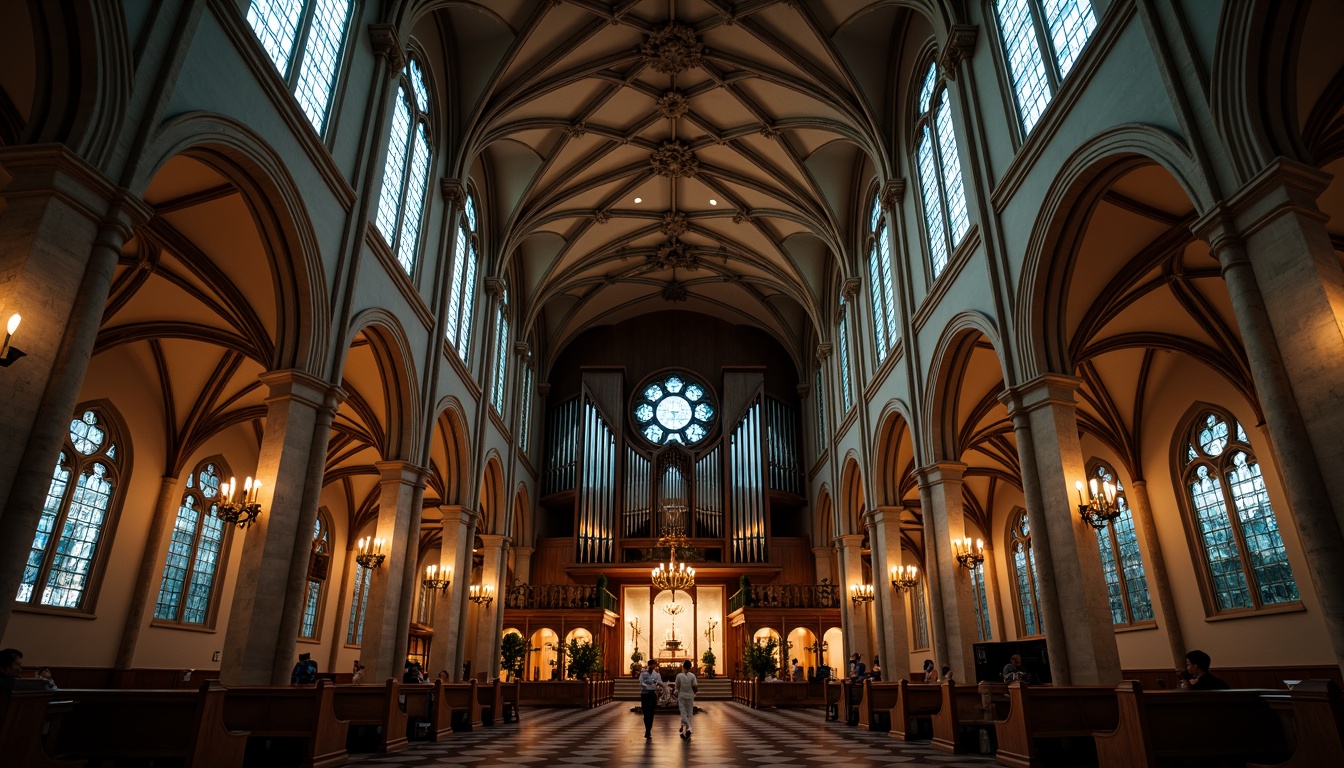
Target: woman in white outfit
x,y
686,690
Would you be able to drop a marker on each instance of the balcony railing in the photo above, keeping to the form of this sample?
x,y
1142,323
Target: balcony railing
x,y
558,596
786,596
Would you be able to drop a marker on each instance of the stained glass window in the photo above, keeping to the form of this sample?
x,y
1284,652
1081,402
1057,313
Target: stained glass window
x,y
1245,561
74,515
1068,24
1121,561
920,609
527,396
462,295
401,203
982,625
880,284
820,390
942,191
674,408
190,570
359,603
1024,578
842,334
312,597
501,357
315,28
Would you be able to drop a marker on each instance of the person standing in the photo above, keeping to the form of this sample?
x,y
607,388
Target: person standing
x,y
686,690
648,695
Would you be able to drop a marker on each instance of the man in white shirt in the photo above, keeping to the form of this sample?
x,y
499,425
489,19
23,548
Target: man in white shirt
x,y
686,690
648,695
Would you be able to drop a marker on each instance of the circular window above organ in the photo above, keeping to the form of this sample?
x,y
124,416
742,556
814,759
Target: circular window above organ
x,y
673,408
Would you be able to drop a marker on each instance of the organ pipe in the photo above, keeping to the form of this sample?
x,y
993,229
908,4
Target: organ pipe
x,y
748,488
597,493
637,519
709,495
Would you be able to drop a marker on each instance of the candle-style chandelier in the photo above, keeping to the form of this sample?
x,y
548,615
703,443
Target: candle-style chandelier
x,y
1100,508
482,594
370,553
438,579
240,512
969,557
904,577
861,593
673,575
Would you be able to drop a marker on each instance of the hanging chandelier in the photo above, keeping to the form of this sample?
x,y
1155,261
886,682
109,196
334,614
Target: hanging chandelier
x,y
673,575
1101,508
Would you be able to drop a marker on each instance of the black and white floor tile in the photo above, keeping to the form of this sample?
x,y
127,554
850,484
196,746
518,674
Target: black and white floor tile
x,y
725,734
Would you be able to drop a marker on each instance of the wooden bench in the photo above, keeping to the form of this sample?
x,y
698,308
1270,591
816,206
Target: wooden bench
x,y
23,717
784,694
916,704
1043,712
852,698
296,712
174,725
834,693
1156,728
374,705
509,694
1316,714
553,693
963,707
425,701
879,699
463,701
491,699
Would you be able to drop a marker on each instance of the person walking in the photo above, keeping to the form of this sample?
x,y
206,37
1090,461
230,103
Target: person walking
x,y
648,695
686,690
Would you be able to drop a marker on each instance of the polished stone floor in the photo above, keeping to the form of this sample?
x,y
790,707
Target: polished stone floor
x,y
725,734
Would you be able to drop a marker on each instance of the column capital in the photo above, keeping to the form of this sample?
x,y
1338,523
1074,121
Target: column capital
x,y
883,515
387,45
493,540
959,47
850,288
457,514
453,191
1048,389
941,472
303,386
803,390
824,351
495,287
848,540
892,194
402,472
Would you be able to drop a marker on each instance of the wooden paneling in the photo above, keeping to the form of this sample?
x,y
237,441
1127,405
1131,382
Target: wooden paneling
x,y
1237,677
795,557
549,561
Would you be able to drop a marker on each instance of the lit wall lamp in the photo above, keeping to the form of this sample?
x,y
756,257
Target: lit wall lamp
x,y
432,580
968,557
861,593
240,512
1100,508
9,353
904,577
482,594
370,553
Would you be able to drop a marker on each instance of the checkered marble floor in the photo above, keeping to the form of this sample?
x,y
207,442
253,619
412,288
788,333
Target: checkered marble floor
x,y
725,734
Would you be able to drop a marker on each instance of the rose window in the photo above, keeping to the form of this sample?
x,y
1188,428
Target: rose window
x,y
674,409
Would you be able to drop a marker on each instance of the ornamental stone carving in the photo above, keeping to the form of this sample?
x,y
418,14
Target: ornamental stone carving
x,y
741,216
892,192
672,49
769,132
673,255
576,130
674,224
601,217
960,46
673,104
674,291
674,159
383,39
453,191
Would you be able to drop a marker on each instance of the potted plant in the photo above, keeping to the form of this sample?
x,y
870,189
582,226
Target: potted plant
x,y
707,658
635,665
512,650
584,659
759,658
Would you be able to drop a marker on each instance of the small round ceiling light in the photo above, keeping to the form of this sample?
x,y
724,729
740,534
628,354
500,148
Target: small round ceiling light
x,y
712,201
639,200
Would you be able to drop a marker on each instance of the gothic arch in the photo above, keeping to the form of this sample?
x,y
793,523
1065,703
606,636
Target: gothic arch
x,y
396,367
450,451
895,439
947,367
825,527
854,498
493,502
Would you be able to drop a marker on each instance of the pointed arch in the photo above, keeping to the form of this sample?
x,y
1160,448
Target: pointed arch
x,y
450,451
964,332
825,526
396,366
519,529
893,446
853,497
493,502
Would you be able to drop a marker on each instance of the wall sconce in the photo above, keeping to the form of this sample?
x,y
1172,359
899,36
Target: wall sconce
x,y
969,558
9,353
241,513
1100,508
432,582
370,553
904,577
482,594
861,593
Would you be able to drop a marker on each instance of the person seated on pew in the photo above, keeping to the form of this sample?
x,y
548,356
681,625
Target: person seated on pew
x,y
305,671
357,676
11,665
44,675
930,671
823,672
1014,672
770,678
857,670
946,676
414,673
443,675
797,673
875,671
1197,664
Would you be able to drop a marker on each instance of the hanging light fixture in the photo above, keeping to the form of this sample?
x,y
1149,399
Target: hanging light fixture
x,y
1100,508
673,575
240,512
370,553
904,577
433,580
968,557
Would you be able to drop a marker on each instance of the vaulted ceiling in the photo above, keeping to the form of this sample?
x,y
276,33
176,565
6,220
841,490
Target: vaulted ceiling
x,y
672,154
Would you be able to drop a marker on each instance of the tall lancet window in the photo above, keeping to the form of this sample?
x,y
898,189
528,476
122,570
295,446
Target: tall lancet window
x,y
462,295
187,592
939,166
1245,563
880,283
1028,27
501,379
842,339
304,40
401,204
1121,561
319,558
1024,577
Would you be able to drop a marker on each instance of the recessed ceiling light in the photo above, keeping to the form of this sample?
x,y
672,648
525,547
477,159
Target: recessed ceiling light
x,y
713,202
639,199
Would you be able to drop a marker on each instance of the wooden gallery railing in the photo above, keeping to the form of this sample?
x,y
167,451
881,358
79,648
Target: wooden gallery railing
x,y
786,596
543,596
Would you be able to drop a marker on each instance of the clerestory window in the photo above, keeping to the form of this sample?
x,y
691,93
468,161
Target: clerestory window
x,y
880,284
1121,561
1042,40
305,41
462,294
401,204
938,165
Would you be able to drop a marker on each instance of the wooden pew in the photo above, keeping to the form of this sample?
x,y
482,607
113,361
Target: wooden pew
x,y
879,699
963,706
852,699
1043,712
491,699
834,694
23,715
915,702
464,702
377,706
425,701
553,693
1158,727
509,694
173,725
1317,715
784,694
294,712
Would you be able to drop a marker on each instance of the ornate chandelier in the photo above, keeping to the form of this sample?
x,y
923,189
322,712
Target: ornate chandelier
x,y
240,513
673,575
1101,508
969,557
904,577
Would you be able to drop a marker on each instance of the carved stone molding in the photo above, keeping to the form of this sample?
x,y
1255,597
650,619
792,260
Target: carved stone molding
x,y
576,130
673,104
454,192
823,351
672,49
674,159
544,389
521,349
960,46
674,291
495,287
601,217
383,38
769,132
674,224
674,255
892,194
741,216
850,289
803,391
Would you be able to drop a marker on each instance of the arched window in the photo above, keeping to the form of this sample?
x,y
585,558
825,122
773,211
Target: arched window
x,y
401,204
319,558
359,603
819,386
190,570
880,284
1024,577
1121,561
1028,27
842,334
525,430
920,614
463,292
982,625
939,167
501,354
75,515
315,28
1245,563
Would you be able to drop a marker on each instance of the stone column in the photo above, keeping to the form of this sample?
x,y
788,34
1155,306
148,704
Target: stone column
x,y
522,564
1285,294
1155,567
450,614
254,643
933,577
485,652
165,511
1074,604
410,576
884,538
858,625
959,630
382,621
